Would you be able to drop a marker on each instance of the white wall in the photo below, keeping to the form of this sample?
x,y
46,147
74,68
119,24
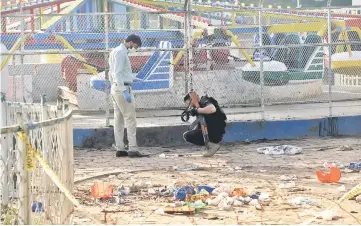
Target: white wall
x,y
356,2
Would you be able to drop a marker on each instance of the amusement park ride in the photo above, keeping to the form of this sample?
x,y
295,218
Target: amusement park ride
x,y
212,27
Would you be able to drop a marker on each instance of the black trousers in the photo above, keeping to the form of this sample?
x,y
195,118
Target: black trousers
x,y
196,137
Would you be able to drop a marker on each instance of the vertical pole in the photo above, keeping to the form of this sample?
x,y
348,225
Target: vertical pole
x,y
186,44
24,183
261,74
329,64
45,151
190,49
70,164
4,156
106,56
22,54
32,20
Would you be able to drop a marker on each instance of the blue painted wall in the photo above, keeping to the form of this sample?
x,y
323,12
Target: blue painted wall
x,y
235,132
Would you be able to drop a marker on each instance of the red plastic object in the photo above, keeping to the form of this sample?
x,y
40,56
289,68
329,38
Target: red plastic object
x,y
101,190
332,177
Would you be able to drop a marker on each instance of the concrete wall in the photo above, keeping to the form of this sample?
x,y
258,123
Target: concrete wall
x,y
227,87
235,132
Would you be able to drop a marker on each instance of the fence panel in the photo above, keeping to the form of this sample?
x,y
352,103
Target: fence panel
x,y
28,194
293,48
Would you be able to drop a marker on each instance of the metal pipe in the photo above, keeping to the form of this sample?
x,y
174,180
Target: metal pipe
x,y
329,74
261,72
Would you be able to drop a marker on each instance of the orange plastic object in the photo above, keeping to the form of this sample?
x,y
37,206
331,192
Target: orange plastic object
x,y
332,177
101,190
239,192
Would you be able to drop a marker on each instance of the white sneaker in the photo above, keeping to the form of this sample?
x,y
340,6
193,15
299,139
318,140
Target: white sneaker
x,y
213,148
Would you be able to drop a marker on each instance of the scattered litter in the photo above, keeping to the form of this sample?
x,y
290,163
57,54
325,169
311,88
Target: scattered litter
x,y
254,202
255,196
332,177
288,177
182,210
225,205
222,189
302,202
258,207
344,148
182,192
123,191
166,192
329,164
280,150
159,211
207,188
239,192
197,197
342,188
328,215
238,168
151,191
354,165
168,156
193,168
263,171
263,196
203,192
287,185
358,198
237,203
102,190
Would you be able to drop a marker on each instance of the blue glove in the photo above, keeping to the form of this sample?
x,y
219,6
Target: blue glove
x,y
127,96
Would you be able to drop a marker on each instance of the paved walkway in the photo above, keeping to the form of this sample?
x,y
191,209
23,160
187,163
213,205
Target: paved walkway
x,y
153,118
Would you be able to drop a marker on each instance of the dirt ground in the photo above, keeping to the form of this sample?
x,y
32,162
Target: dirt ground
x,y
236,165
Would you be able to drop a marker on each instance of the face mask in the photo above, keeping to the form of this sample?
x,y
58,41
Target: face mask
x,y
132,50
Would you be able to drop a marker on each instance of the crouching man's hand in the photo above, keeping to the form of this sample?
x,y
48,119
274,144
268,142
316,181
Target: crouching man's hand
x,y
194,112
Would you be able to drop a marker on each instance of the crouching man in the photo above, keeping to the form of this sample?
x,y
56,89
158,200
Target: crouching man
x,y
215,120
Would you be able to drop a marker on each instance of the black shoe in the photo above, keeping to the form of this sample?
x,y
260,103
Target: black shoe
x,y
121,154
133,154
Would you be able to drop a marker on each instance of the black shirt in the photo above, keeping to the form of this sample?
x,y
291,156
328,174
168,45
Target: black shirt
x,y
216,122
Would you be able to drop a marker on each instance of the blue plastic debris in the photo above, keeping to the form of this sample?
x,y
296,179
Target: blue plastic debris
x,y
207,188
182,192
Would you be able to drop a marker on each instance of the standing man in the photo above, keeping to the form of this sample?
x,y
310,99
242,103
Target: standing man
x,y
121,78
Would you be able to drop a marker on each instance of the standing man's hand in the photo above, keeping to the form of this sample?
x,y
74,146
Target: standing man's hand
x,y
127,96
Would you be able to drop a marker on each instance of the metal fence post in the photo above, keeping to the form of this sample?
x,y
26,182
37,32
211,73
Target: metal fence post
x,y
24,183
329,72
69,152
186,42
261,74
106,56
45,149
4,155
22,54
